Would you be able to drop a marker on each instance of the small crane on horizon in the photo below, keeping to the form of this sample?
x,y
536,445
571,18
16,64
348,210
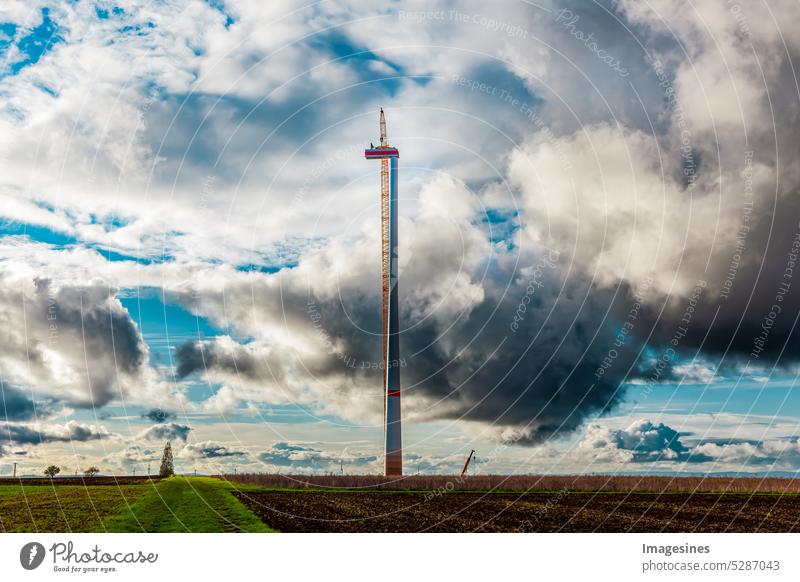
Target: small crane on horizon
x,y
466,465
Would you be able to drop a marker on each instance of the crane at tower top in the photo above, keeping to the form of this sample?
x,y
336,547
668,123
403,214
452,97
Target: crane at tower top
x,y
383,150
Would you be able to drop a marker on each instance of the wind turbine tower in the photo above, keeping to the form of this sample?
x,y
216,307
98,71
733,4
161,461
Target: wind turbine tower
x,y
388,156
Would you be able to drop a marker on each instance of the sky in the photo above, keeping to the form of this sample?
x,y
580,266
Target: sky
x,y
599,233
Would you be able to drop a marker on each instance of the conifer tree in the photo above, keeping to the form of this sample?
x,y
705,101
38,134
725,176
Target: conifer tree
x,y
167,467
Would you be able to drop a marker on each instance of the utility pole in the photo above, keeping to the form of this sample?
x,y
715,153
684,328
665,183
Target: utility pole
x,y
15,469
148,469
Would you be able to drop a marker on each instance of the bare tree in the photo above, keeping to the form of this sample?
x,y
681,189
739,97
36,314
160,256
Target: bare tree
x,y
52,471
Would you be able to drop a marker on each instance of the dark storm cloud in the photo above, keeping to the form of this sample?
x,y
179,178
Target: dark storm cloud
x,y
525,360
167,431
104,327
764,279
198,356
78,343
70,432
15,405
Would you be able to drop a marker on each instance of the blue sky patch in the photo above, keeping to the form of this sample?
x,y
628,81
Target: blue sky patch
x,y
37,43
37,233
220,7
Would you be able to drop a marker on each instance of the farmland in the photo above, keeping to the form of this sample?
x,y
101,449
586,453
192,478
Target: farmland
x,y
593,483
66,507
559,511
501,503
123,504
345,503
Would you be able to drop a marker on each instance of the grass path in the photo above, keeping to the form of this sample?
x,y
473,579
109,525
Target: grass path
x,y
187,504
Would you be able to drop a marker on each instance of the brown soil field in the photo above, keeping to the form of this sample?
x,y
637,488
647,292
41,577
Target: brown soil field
x,y
593,483
557,511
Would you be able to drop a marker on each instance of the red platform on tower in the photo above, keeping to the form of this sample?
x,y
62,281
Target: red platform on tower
x,y
381,152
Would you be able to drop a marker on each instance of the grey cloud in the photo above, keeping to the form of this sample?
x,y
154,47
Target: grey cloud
x,y
78,343
646,442
236,359
39,434
283,454
167,431
211,450
133,455
514,346
538,377
770,454
16,405
640,443
414,463
158,415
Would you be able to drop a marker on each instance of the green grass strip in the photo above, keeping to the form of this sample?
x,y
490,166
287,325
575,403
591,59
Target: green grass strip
x,y
187,504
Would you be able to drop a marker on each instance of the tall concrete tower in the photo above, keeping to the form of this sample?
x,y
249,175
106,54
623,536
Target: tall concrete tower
x,y
390,321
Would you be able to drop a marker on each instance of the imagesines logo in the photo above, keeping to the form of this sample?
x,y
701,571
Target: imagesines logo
x,y
31,555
